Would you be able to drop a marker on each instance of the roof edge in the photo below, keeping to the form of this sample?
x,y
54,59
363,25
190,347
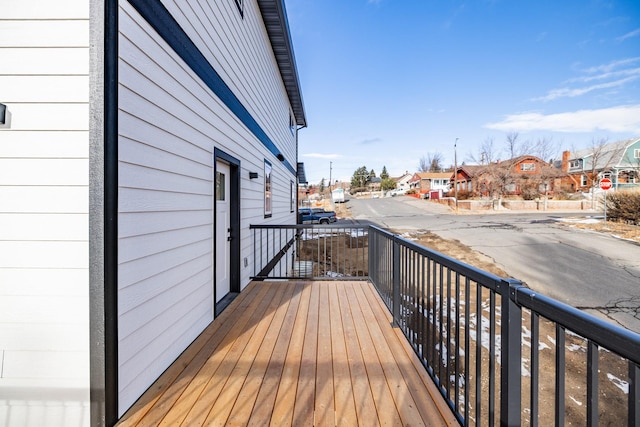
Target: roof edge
x,y
274,15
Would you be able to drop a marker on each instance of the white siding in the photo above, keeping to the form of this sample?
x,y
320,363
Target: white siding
x,y
169,125
240,51
44,319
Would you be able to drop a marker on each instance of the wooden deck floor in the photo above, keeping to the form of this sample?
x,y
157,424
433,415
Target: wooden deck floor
x,y
296,353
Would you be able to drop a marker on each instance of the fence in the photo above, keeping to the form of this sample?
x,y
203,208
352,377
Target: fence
x,y
499,352
310,251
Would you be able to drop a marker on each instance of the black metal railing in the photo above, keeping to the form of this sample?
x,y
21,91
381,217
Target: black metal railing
x,y
310,251
501,353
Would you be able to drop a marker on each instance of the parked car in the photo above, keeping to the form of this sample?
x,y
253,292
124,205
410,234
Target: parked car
x,y
398,192
316,216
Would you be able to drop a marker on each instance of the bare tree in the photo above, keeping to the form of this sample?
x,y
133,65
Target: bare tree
x,y
488,153
432,162
512,144
545,148
423,164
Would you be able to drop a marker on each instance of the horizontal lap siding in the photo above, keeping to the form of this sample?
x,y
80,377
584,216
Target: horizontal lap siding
x,y
170,122
240,51
44,318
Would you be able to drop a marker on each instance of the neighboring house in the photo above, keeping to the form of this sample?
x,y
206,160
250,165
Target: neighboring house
x,y
402,182
525,176
424,182
466,177
374,183
618,161
142,138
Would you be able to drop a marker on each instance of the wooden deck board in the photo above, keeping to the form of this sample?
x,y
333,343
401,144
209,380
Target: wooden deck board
x,y
296,353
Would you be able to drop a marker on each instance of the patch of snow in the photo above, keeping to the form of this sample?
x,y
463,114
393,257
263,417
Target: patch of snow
x,y
621,384
577,402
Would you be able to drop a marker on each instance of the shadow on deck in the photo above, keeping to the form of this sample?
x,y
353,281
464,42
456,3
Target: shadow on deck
x,y
297,353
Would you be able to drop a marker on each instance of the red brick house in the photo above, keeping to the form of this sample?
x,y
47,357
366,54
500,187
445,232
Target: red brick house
x,y
423,182
526,176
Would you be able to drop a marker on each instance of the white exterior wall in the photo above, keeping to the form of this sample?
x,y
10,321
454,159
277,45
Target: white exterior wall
x,y
170,122
44,308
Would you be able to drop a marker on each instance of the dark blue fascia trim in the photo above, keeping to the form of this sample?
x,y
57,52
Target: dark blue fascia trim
x,y
154,12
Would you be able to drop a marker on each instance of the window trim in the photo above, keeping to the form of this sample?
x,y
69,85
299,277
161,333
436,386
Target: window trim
x,y
530,167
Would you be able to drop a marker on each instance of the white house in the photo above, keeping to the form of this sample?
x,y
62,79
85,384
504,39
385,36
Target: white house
x,y
141,139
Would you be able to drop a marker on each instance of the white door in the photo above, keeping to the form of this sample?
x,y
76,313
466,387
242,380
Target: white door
x,y
223,222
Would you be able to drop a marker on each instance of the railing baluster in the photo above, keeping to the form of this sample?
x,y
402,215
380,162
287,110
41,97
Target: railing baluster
x,y
456,367
560,365
592,383
467,348
440,327
634,395
478,353
492,357
449,335
535,367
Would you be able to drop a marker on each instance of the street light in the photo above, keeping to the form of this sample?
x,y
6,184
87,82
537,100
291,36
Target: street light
x,y
455,172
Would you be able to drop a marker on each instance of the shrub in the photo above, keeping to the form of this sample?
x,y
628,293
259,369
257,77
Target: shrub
x,y
464,194
529,192
624,206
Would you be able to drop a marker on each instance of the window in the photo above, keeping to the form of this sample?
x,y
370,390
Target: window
x,y
267,189
527,166
292,204
292,124
636,153
583,180
240,5
574,164
220,180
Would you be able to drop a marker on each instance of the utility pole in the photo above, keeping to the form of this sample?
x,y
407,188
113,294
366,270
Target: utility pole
x,y
330,181
455,171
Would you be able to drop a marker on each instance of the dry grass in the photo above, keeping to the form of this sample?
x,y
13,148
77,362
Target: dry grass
x,y
617,229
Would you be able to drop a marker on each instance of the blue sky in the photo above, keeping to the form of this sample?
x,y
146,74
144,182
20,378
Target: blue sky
x,y
386,82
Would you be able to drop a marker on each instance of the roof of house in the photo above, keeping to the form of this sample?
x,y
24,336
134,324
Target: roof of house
x,y
609,155
470,170
434,175
274,16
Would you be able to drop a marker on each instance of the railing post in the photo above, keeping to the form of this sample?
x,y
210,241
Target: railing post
x,y
510,354
396,282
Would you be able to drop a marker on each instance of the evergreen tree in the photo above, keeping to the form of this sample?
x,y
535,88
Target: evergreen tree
x,y
384,174
360,178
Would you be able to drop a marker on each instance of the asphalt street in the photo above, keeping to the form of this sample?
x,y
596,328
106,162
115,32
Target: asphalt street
x,y
594,272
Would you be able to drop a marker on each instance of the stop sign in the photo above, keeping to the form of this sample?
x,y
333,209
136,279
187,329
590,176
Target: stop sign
x,y
605,184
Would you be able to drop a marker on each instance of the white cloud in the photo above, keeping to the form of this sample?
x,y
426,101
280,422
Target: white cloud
x,y
571,93
321,156
614,119
610,74
605,68
630,34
